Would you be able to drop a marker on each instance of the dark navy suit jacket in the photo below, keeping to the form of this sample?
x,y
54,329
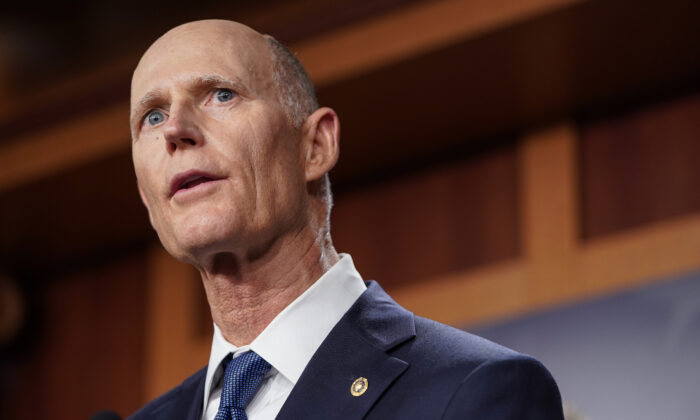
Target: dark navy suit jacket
x,y
415,368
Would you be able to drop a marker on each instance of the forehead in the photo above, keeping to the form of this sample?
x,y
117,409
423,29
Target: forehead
x,y
203,49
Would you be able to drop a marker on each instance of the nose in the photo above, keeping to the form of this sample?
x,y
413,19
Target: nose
x,y
181,131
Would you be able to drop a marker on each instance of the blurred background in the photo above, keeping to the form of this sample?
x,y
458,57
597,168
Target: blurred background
x,y
524,169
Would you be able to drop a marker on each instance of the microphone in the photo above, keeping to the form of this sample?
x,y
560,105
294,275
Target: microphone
x,y
105,415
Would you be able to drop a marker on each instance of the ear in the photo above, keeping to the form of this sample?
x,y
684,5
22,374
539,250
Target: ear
x,y
321,133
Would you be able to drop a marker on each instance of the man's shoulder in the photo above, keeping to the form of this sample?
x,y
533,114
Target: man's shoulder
x,y
414,337
451,346
431,348
456,343
443,351
460,373
186,392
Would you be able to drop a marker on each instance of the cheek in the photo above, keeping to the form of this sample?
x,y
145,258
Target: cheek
x,y
146,174
285,185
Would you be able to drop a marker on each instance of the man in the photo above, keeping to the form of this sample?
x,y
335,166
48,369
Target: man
x,y
231,153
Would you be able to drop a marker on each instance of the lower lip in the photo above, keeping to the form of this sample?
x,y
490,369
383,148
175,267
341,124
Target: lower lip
x,y
196,191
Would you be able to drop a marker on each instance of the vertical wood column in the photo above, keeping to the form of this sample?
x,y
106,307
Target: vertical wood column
x,y
550,216
174,349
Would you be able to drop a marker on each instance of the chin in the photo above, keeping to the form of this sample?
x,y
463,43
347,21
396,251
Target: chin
x,y
200,238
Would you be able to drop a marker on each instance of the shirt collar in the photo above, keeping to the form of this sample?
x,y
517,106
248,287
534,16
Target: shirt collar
x,y
294,335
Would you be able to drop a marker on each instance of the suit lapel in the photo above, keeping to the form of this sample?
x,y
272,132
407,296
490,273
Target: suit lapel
x,y
194,407
187,403
356,348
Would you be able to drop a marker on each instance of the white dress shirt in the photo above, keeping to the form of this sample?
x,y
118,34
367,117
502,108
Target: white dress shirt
x,y
288,342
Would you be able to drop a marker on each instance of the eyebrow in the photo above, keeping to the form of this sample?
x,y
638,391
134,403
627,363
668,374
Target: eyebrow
x,y
151,97
195,83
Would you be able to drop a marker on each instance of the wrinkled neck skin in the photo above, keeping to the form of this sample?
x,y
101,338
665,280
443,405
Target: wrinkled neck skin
x,y
245,293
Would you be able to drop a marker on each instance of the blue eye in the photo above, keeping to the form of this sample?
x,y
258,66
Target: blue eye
x,y
224,95
155,117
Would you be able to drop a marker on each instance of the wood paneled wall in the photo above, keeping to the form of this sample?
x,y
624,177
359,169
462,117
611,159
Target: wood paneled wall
x,y
607,205
86,352
641,167
446,219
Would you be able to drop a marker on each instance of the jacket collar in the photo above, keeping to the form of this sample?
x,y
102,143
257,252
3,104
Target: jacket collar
x,y
186,401
357,347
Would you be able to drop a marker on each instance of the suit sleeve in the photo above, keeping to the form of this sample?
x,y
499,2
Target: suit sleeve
x,y
519,388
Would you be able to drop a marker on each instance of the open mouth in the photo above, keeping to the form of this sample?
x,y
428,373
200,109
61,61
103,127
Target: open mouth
x,y
195,182
189,180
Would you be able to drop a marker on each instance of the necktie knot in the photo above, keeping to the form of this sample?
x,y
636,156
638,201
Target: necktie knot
x,y
242,377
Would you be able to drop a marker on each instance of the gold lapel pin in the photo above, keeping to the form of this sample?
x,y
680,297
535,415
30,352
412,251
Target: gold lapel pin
x,y
359,387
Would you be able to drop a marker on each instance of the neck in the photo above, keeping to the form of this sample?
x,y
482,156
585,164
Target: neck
x,y
246,293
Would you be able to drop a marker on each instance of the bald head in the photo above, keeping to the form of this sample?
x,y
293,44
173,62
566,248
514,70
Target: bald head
x,y
274,66
214,37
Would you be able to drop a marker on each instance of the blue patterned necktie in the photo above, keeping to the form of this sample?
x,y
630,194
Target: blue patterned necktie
x,y
243,376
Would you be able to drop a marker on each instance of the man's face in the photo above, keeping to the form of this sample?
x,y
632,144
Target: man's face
x,y
218,163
